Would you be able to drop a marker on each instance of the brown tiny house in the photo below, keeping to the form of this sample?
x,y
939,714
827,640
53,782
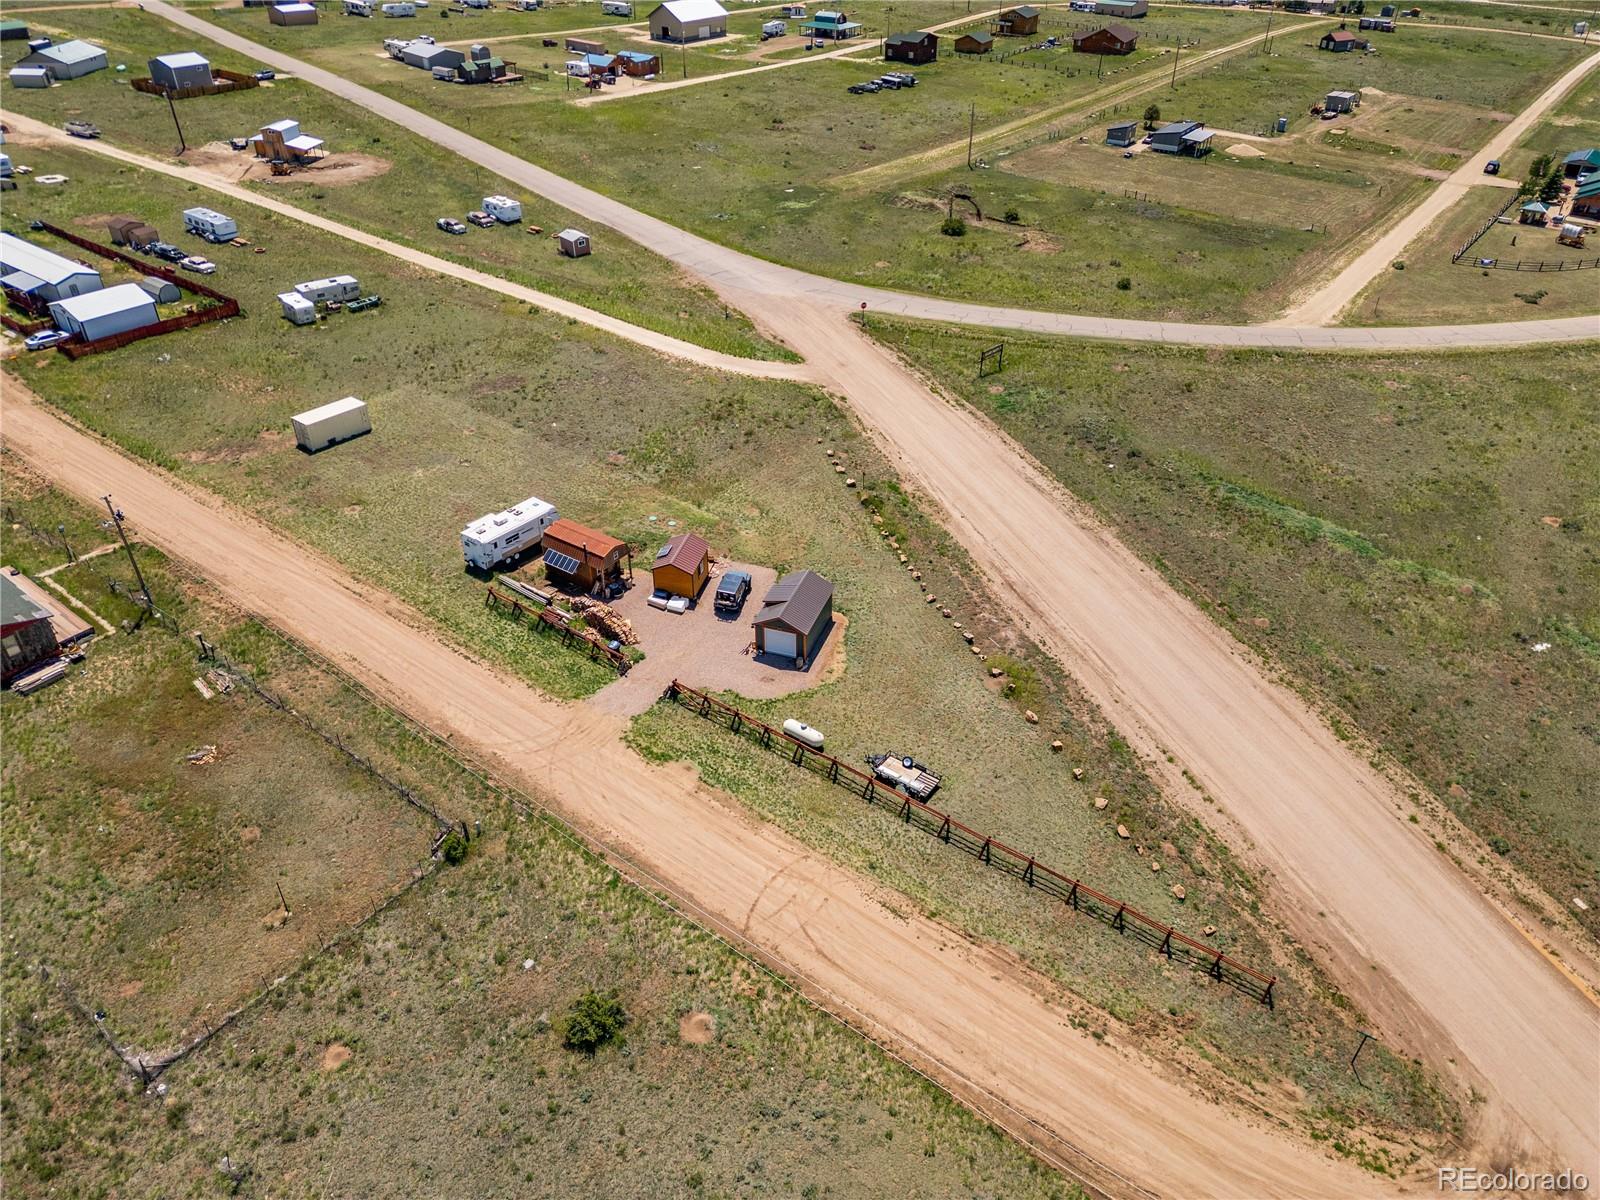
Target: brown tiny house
x,y
582,559
914,49
682,566
1018,22
1113,39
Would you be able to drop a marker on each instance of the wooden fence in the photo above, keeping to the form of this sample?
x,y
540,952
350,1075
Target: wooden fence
x,y
1560,264
550,617
221,81
1472,241
1079,896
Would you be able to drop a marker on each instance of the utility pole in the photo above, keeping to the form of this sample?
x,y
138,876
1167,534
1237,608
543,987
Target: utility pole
x,y
116,517
183,146
1267,43
683,57
1365,1038
61,531
972,129
1177,53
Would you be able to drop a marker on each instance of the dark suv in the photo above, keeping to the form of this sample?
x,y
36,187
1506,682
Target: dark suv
x,y
732,589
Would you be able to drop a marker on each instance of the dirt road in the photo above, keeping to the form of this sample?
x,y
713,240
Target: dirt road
x,y
723,268
1324,305
968,1013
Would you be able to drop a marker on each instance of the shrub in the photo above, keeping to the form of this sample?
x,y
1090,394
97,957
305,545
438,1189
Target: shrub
x,y
1012,216
594,1020
1124,284
1151,116
954,226
454,848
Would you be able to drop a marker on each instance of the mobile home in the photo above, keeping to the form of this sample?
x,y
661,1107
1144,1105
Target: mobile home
x,y
492,539
210,224
336,288
319,428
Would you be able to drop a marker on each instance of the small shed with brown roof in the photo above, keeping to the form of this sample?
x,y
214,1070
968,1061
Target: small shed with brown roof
x,y
795,617
975,41
682,566
576,556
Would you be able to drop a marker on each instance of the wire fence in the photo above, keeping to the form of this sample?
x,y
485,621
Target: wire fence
x,y
1472,241
1079,896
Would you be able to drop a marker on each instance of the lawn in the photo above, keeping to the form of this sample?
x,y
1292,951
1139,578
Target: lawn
x,y
1413,537
1573,125
410,183
424,1053
476,403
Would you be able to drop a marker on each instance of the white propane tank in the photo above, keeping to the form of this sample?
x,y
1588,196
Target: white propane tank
x,y
801,732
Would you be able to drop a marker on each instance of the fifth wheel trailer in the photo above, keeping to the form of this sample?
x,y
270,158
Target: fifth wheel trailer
x,y
318,428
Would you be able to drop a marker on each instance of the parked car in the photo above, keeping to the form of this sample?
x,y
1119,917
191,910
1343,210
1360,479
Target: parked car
x,y
425,38
167,251
43,341
857,89
905,78
450,225
200,266
1492,167
888,81
731,591
1127,154
482,219
266,75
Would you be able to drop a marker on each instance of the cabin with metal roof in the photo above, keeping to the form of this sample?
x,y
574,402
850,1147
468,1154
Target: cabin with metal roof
x,y
682,565
795,617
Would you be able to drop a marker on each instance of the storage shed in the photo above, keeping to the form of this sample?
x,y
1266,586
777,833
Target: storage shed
x,y
978,41
912,48
318,428
131,231
682,566
162,291
637,63
13,31
1123,133
1340,41
1126,9
426,56
68,60
576,556
1018,22
185,70
795,617
573,243
1113,39
104,313
29,77
1182,137
43,274
292,14
26,635
1341,102
688,21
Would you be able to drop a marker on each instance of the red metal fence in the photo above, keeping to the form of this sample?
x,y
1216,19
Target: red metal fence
x,y
1178,947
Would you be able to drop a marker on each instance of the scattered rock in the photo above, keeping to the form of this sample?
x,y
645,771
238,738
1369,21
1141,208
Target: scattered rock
x,y
838,470
829,451
877,519
1031,717
1100,803
1155,867
916,575
957,625
946,613
1210,931
1178,893
931,599
995,672
527,964
1056,746
1077,772
1122,832
849,483
969,635
1578,903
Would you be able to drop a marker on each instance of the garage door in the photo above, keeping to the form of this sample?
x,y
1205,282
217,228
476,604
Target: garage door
x,y
779,641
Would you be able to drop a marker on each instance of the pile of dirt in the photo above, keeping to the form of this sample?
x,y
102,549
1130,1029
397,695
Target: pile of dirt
x,y
697,1028
1242,150
335,1056
222,161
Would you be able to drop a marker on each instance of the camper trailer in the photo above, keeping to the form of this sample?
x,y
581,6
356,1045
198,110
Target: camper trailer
x,y
396,47
210,224
503,209
492,539
297,310
336,288
773,29
404,8
357,8
616,8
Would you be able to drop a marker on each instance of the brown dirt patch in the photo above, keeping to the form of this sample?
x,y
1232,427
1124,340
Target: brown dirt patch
x,y
250,835
697,1028
335,1056
222,161
275,919
130,989
1244,151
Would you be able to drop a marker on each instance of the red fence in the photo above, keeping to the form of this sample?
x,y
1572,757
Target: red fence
x,y
1074,892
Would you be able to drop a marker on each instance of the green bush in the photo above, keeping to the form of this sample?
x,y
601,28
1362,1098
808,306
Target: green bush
x,y
1012,216
454,848
954,227
594,1020
1124,284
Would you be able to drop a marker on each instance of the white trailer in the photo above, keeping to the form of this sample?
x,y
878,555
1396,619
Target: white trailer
x,y
526,5
357,8
403,8
503,209
774,29
210,224
336,288
475,3
491,540
616,8
396,47
319,428
297,310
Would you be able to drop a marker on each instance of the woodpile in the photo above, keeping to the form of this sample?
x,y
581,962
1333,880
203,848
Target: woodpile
x,y
607,619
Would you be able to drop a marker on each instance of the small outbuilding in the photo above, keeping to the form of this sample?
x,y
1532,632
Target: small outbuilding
x,y
1017,22
682,566
1580,162
29,77
637,63
1113,39
1126,9
1190,138
1534,212
914,49
292,14
1123,133
26,636
977,41
688,21
573,243
581,558
795,617
105,313
1340,41
13,31
185,70
318,428
162,291
1341,102
67,60
131,231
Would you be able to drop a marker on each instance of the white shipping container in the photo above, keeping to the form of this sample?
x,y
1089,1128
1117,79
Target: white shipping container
x,y
340,421
492,539
503,208
338,287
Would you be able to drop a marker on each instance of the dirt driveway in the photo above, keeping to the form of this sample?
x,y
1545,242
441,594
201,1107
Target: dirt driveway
x,y
706,649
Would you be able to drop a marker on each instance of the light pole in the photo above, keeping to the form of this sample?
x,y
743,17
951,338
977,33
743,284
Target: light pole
x,y
183,146
116,517
61,532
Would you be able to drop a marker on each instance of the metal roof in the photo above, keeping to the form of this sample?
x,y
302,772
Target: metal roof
x,y
15,607
796,601
1121,32
591,543
686,552
186,58
977,35
67,53
21,281
333,408
44,265
908,39
124,297
693,10
1178,127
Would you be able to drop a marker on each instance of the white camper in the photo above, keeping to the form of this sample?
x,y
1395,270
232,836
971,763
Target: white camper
x,y
210,224
493,539
396,47
503,209
297,310
402,9
319,428
774,29
475,3
616,8
336,288
357,8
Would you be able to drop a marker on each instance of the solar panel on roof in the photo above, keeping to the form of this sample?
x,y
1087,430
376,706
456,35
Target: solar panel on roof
x,y
558,561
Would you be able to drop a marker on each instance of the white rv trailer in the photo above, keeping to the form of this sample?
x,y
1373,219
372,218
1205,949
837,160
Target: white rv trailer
x,y
503,208
210,224
492,539
324,291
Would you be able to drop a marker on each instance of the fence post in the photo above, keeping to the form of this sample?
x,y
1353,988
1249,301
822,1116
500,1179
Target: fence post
x,y
983,854
1117,922
1072,896
1215,969
1027,875
1166,945
944,831
1266,997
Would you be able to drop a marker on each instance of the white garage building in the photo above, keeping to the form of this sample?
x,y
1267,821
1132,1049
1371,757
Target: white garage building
x,y
109,311
186,70
688,21
43,273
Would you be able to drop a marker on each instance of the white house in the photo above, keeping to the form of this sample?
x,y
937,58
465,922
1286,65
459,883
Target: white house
x,y
688,21
184,70
36,271
106,312
67,60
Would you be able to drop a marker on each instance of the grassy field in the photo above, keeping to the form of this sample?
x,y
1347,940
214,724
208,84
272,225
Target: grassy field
x,y
487,404
423,1054
405,184
1431,288
1401,532
1573,125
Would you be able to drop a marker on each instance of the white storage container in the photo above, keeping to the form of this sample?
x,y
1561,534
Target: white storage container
x,y
340,421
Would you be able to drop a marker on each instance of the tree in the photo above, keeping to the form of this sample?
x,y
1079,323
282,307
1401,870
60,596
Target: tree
x,y
593,1021
1550,192
1151,116
453,849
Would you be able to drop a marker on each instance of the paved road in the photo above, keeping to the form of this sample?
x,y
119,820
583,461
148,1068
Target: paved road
x,y
731,270
1327,302
970,1014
